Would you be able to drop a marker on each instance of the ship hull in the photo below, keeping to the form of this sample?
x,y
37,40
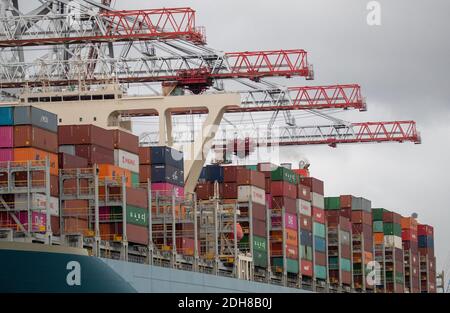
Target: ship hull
x,y
61,270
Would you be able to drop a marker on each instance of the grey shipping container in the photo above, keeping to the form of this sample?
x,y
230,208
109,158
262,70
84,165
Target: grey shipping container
x,y
28,115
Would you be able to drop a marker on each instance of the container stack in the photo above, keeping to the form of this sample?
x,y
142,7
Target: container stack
x,y
393,253
126,153
411,254
306,233
339,245
284,240
246,186
359,210
427,258
30,134
378,240
320,258
164,167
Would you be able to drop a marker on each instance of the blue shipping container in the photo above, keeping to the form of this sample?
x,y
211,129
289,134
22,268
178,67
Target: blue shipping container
x,y
167,155
6,116
320,271
305,237
319,244
167,174
28,115
214,173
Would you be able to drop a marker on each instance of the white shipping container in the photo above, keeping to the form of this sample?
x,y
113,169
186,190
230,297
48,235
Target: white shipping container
x,y
251,193
126,160
318,201
304,207
38,203
392,241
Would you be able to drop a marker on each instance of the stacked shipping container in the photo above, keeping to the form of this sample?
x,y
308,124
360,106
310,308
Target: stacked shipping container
x,y
30,134
304,210
339,244
411,254
320,258
427,258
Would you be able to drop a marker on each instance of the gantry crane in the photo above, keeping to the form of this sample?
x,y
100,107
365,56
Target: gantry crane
x,y
83,44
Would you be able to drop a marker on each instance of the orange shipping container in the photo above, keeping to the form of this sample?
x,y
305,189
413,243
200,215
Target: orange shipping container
x,y
368,257
75,225
408,223
114,172
378,238
291,237
32,154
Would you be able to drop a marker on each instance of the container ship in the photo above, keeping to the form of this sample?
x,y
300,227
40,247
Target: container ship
x,y
87,209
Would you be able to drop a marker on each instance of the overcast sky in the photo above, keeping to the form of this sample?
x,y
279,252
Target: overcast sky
x,y
402,66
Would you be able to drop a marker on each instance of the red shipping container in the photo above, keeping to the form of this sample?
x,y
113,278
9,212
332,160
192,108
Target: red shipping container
x,y
283,189
362,217
85,135
318,215
425,230
346,251
303,192
95,154
314,184
269,200
185,246
346,201
307,268
55,224
230,174
66,161
204,191
145,156
135,234
125,141
145,173
305,222
259,211
137,197
29,136
75,208
320,258
292,252
230,190
259,228
289,204
346,212
409,235
249,177
392,217
6,155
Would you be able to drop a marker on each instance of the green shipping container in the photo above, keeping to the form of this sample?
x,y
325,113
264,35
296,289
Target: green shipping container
x,y
134,179
291,265
319,229
332,203
378,227
377,214
320,271
306,252
392,229
333,262
260,244
135,216
260,258
399,278
284,174
345,265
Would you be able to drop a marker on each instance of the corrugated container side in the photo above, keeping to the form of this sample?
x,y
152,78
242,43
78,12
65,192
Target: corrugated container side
x,y
6,116
30,136
28,115
6,155
95,154
6,137
125,141
85,135
126,160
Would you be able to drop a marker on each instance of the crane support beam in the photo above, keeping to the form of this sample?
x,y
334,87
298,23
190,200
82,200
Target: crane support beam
x,y
366,132
106,26
302,98
183,70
